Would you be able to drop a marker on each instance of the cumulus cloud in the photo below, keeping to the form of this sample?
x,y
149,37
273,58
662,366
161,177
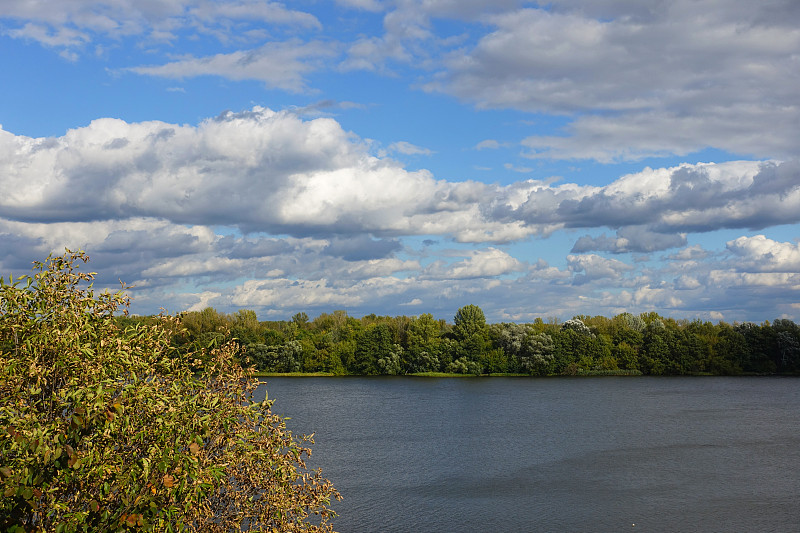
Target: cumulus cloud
x,y
271,211
205,299
276,172
280,174
760,254
591,267
701,197
490,262
687,283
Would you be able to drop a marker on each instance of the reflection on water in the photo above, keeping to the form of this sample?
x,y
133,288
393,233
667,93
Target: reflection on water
x,y
517,454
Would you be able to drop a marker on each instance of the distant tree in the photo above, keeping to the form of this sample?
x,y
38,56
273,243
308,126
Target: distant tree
x,y
389,364
286,357
576,325
373,344
462,365
532,350
468,321
424,342
245,327
300,319
761,344
632,322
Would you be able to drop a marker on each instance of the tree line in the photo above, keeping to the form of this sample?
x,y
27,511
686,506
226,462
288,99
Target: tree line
x,y
648,343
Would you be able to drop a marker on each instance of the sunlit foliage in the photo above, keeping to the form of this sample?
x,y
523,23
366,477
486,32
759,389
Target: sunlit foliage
x,y
105,428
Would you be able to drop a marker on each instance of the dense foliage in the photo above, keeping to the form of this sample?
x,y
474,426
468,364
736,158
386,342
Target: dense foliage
x,y
104,426
625,344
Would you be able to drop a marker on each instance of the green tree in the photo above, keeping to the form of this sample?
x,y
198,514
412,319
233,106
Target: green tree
x,y
423,339
104,429
656,358
761,343
245,327
300,319
729,353
533,351
373,344
468,321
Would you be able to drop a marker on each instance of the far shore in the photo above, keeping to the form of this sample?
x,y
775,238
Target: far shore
x,y
618,373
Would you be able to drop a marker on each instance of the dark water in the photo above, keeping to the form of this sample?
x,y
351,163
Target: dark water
x,y
515,454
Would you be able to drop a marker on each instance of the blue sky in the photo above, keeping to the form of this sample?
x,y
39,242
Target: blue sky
x,y
401,157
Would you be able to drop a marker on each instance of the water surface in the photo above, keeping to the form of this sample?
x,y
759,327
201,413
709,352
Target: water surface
x,y
585,454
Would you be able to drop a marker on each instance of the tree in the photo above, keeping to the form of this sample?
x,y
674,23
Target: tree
x,y
245,327
300,319
423,344
468,321
533,351
105,429
536,353
374,344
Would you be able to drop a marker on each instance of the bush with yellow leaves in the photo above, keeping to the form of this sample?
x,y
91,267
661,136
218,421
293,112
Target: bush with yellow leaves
x,y
104,429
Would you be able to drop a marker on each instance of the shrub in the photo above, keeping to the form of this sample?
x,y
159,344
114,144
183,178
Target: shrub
x,y
105,429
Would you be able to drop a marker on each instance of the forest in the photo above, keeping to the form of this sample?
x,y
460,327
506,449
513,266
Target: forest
x,y
626,344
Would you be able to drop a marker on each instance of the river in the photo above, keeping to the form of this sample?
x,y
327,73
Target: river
x,y
553,454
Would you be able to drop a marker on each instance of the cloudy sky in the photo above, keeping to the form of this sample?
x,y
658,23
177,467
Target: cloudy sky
x,y
538,159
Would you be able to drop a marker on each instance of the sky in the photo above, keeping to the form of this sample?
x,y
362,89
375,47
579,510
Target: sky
x,y
400,157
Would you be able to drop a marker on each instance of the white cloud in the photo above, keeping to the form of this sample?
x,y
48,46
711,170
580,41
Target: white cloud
x,y
300,294
488,144
686,198
281,65
204,300
687,283
595,267
281,174
74,22
760,254
327,224
480,264
276,172
690,253
656,298
407,148
48,37
374,268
